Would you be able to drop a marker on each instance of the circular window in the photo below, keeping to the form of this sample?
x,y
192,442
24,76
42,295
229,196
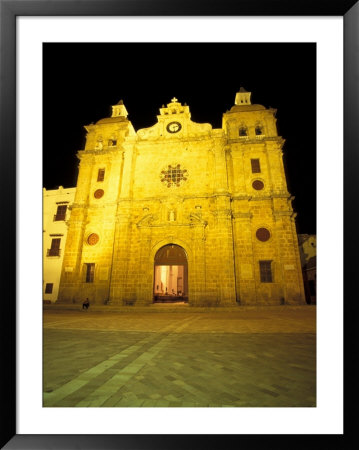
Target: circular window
x,y
258,185
99,193
93,239
263,234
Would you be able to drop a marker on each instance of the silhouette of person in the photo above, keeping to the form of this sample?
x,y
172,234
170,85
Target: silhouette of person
x,y
86,304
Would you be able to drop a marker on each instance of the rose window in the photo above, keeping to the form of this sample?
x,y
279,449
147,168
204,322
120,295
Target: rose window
x,y
173,175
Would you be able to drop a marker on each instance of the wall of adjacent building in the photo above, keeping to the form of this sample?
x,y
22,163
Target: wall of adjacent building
x,y
308,256
54,229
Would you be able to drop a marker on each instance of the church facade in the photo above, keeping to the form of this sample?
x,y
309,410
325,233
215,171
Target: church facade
x,y
182,211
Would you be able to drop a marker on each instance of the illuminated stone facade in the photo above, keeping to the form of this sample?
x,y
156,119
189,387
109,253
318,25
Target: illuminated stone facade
x,y
219,196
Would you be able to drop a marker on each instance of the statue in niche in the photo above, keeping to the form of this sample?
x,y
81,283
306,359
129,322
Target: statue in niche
x,y
172,216
99,144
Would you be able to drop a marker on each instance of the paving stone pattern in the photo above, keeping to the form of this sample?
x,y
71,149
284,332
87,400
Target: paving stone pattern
x,y
248,358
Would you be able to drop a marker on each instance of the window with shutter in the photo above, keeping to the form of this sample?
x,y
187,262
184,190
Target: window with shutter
x,y
55,247
48,288
60,213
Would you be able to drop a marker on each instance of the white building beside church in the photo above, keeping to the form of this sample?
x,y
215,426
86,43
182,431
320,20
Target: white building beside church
x,y
56,212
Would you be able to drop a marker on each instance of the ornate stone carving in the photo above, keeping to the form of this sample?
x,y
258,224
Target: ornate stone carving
x,y
173,175
196,219
146,221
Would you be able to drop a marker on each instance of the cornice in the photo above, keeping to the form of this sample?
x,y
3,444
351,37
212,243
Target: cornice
x,y
105,151
242,215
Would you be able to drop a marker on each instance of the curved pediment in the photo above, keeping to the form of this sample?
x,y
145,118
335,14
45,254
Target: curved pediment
x,y
146,220
196,219
187,128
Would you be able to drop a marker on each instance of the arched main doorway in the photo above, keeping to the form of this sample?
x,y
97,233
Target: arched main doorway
x,y
170,275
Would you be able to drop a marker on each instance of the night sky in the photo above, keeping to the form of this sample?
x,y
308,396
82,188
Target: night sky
x,y
82,81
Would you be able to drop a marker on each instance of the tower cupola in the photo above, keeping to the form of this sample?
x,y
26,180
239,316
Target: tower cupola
x,y
119,110
243,97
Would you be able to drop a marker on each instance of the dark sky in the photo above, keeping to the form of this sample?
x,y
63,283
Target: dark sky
x,y
82,81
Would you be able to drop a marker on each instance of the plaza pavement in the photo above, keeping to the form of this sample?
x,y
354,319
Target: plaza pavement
x,y
178,356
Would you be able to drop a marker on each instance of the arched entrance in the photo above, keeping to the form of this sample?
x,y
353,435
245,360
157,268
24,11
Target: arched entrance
x,y
170,275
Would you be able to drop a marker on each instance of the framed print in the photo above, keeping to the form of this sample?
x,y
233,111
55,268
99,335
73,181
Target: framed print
x,y
63,64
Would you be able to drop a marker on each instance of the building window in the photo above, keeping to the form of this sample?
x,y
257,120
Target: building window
x,y
173,175
259,130
262,234
55,247
98,193
93,239
90,272
265,268
256,168
258,185
112,142
60,213
101,175
48,288
243,131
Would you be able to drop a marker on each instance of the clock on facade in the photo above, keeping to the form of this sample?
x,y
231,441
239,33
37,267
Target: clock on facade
x,y
173,127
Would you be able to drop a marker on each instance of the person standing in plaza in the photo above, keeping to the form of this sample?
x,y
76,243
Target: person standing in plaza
x,y
86,304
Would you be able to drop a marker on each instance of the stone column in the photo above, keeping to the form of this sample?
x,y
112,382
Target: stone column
x,y
292,283
224,252
126,181
243,250
71,275
144,291
198,266
275,167
220,182
235,155
120,289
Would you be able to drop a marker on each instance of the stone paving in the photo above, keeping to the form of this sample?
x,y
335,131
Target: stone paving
x,y
244,357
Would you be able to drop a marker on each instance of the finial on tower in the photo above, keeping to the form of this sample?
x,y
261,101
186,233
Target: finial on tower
x,y
243,97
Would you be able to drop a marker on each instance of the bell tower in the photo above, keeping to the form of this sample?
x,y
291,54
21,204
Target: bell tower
x,y
119,110
101,182
243,97
265,239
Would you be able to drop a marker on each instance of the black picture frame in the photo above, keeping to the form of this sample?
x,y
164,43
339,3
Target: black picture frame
x,y
9,10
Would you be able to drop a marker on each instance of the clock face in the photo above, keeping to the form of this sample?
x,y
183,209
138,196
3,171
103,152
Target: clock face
x,y
174,127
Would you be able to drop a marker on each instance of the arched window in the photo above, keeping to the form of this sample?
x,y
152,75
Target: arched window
x,y
243,131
